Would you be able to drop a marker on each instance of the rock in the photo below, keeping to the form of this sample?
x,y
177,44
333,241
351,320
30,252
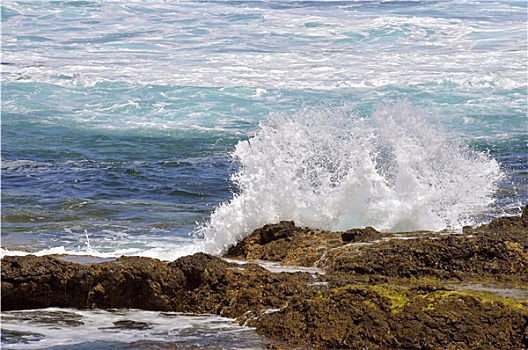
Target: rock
x,y
199,283
361,235
270,233
496,251
286,243
445,257
512,228
416,290
132,282
387,317
276,234
392,290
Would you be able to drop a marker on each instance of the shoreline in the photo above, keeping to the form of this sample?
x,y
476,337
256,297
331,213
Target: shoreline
x,y
354,289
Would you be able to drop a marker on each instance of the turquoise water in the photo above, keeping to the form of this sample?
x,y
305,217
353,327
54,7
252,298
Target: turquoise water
x,y
126,125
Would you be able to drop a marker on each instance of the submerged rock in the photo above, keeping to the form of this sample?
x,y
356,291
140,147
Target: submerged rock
x,y
418,290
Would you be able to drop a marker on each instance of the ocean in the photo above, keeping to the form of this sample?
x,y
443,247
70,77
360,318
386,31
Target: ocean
x,y
162,128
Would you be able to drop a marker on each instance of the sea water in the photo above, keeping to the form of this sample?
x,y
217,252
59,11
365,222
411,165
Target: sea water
x,y
163,128
56,328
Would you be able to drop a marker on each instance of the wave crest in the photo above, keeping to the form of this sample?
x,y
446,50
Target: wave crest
x,y
328,168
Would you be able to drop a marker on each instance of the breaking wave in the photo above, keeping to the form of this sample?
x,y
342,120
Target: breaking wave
x,y
330,169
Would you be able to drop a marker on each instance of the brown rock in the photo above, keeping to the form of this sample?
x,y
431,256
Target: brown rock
x,y
270,233
444,257
417,290
386,317
132,282
199,283
286,243
361,235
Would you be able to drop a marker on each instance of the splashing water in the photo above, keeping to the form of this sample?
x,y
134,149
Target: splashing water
x,y
330,169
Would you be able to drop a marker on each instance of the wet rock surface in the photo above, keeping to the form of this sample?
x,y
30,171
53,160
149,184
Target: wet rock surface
x,y
418,290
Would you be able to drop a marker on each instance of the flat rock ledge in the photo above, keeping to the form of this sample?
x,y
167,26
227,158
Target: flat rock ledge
x,y
371,290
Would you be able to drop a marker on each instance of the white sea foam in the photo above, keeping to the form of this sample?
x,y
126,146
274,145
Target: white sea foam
x,y
329,169
44,328
277,267
167,252
271,48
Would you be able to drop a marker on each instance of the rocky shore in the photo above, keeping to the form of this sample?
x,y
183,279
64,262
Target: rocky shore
x,y
367,289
